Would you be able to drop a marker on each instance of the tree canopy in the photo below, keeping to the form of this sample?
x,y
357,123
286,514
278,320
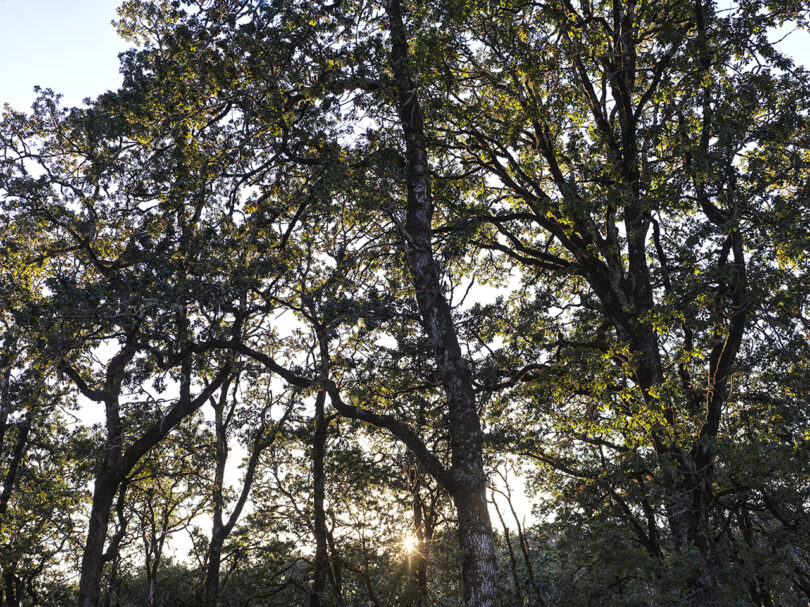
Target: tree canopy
x,y
297,313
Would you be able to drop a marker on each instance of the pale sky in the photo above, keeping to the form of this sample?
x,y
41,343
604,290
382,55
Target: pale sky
x,y
67,45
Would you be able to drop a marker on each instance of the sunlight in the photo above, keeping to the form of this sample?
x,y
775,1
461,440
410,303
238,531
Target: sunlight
x,y
410,543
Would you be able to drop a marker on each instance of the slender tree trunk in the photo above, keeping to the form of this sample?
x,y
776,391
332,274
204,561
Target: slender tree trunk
x,y
218,531
420,571
112,589
5,404
512,560
108,478
689,492
336,567
757,589
524,546
17,456
223,526
418,560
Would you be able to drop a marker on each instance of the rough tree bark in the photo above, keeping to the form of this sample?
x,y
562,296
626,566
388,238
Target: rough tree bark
x,y
468,491
321,562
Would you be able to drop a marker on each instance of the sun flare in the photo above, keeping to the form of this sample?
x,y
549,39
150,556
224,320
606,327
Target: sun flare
x,y
410,543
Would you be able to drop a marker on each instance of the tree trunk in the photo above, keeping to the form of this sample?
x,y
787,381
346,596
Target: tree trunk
x,y
218,531
479,573
222,527
93,557
118,463
420,571
214,562
336,567
17,456
478,569
10,582
320,532
688,517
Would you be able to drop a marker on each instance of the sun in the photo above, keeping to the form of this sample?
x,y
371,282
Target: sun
x,y
410,543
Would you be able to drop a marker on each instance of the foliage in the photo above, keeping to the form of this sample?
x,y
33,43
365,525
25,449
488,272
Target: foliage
x,y
586,218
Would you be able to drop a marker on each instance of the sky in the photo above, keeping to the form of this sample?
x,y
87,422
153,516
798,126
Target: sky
x,y
68,45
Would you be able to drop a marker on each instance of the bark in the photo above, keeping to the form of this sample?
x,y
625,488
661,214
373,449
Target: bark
x,y
418,559
93,557
479,573
214,563
11,588
479,570
153,547
112,554
758,591
687,513
5,403
17,455
321,563
108,478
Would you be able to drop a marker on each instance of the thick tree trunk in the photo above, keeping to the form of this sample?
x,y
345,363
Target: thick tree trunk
x,y
214,563
11,588
688,517
479,573
319,514
93,557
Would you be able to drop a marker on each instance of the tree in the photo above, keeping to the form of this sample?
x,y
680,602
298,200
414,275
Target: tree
x,y
626,159
164,494
262,438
